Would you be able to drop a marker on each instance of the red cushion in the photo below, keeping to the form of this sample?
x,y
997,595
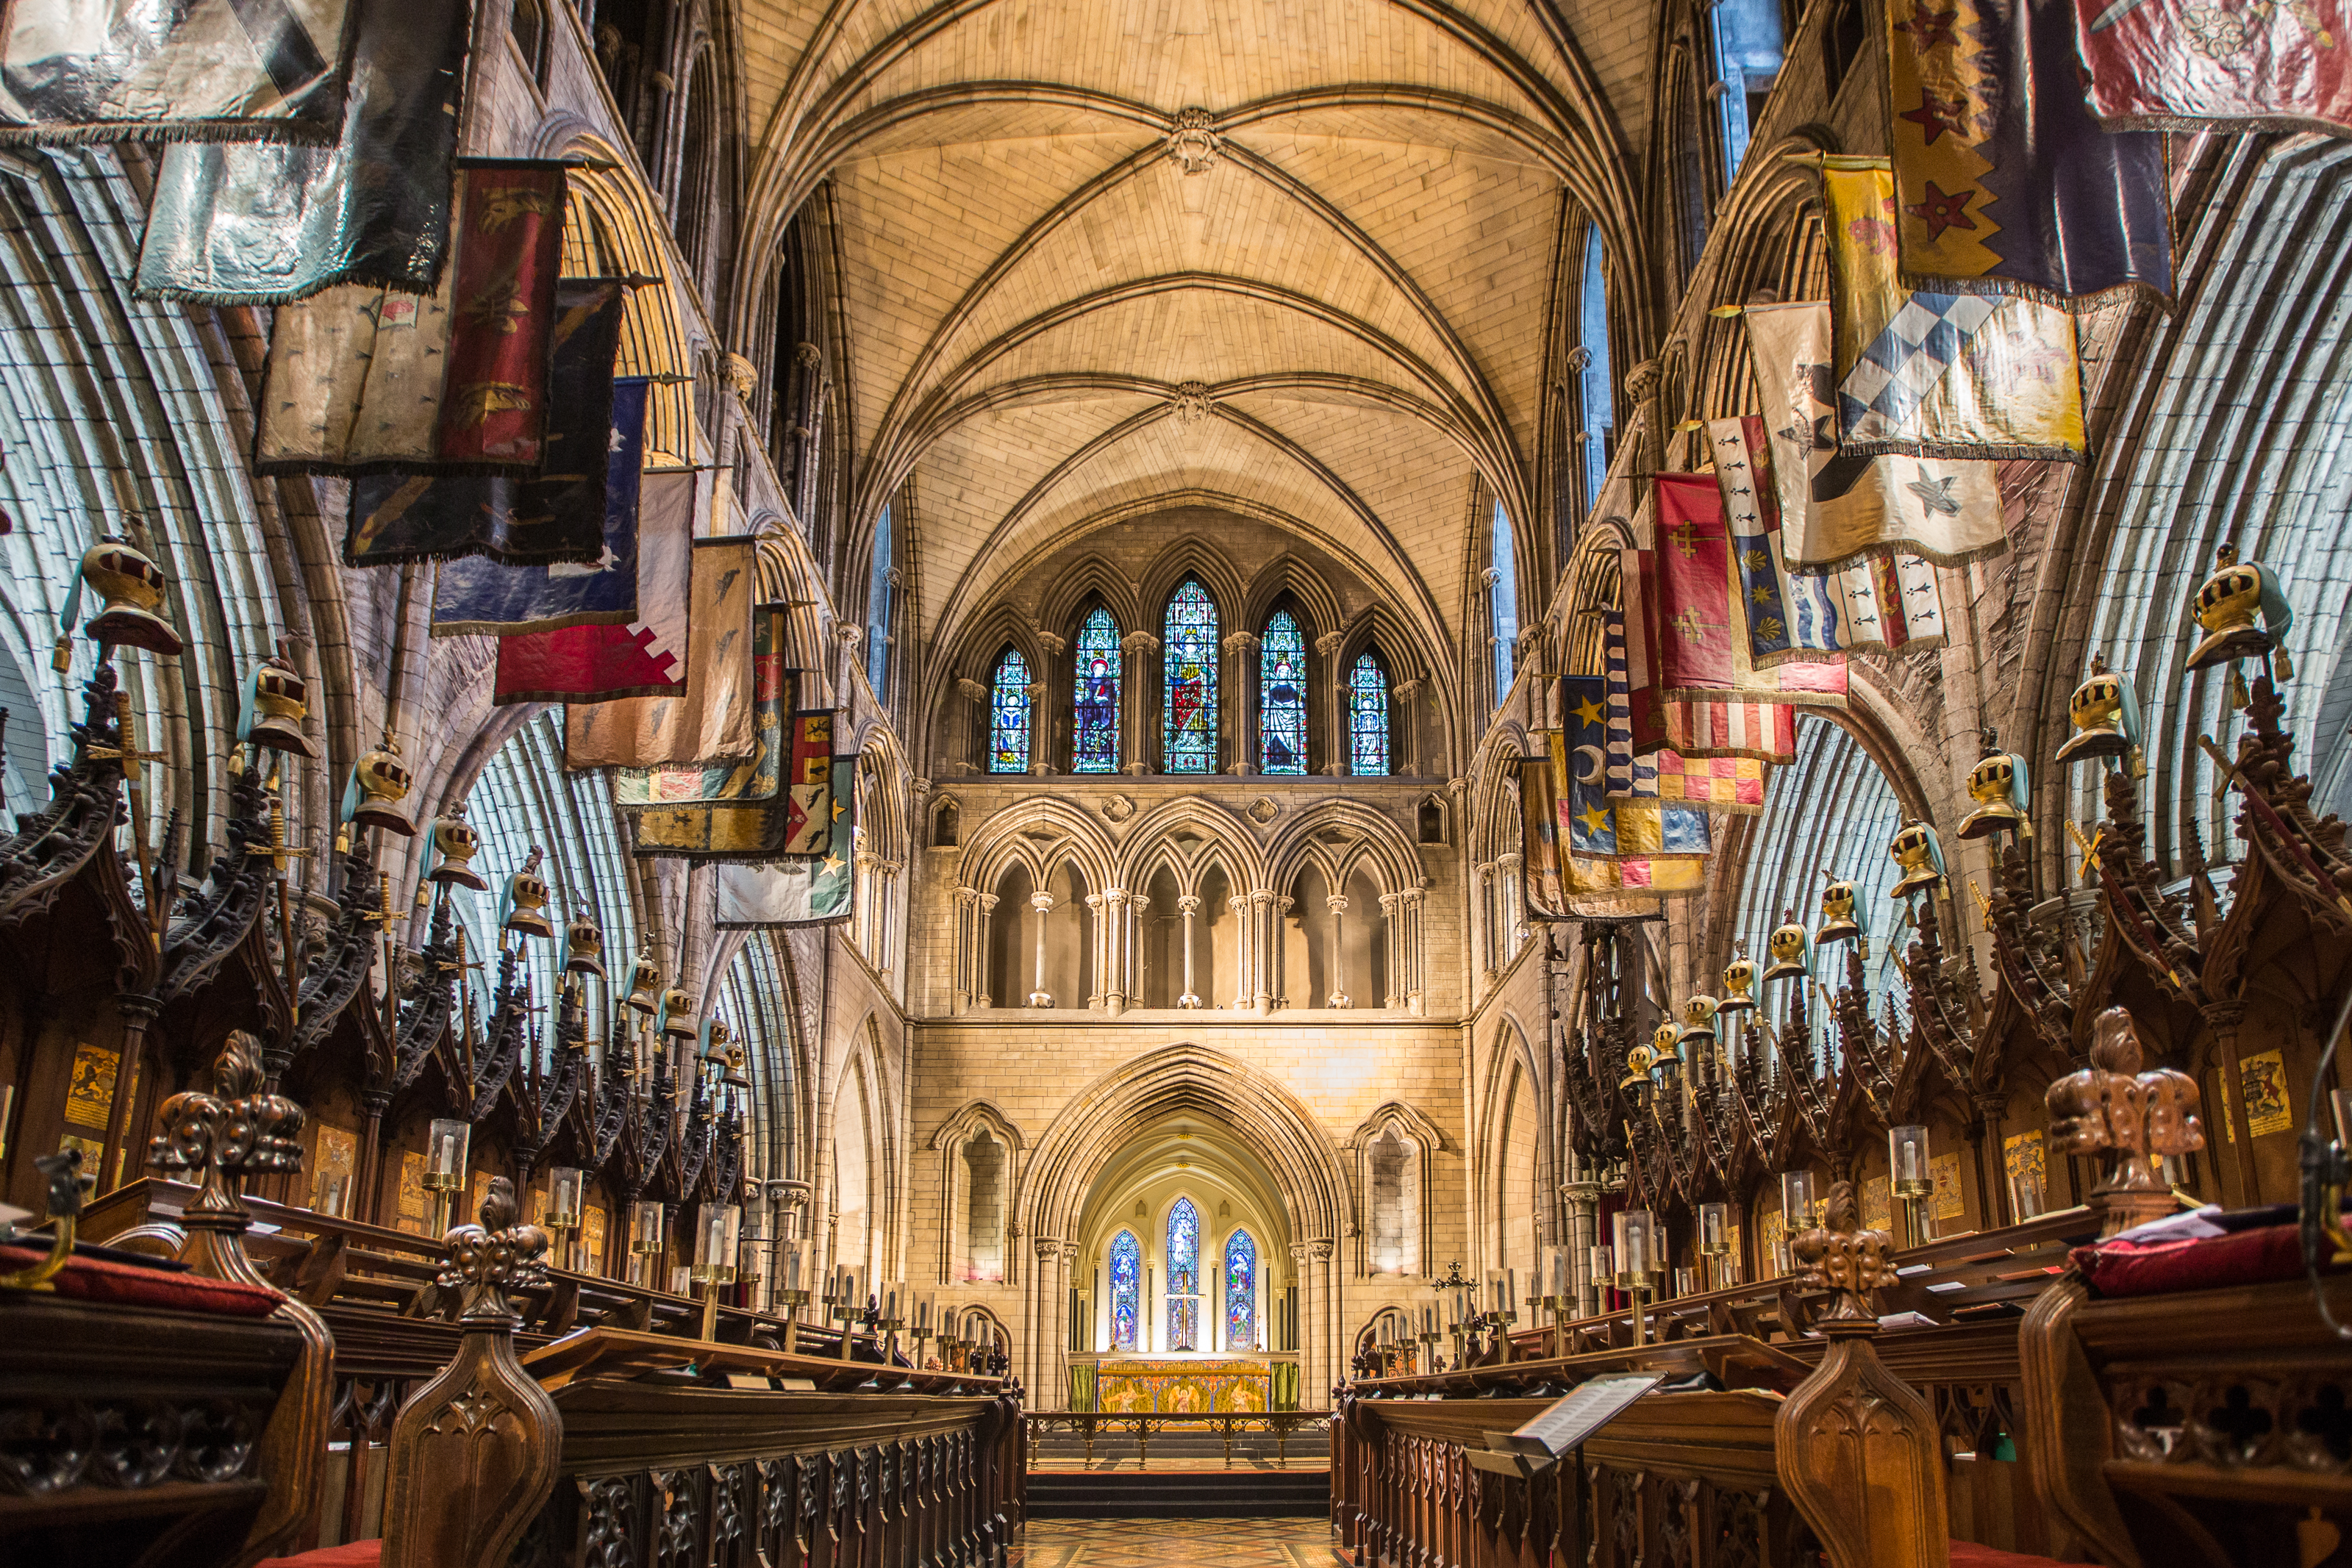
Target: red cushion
x,y
128,1285
2257,1257
351,1554
1969,1554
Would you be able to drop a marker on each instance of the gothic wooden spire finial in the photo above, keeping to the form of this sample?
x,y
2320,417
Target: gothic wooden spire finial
x,y
2111,1107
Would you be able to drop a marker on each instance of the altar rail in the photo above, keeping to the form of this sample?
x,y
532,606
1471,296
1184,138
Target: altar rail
x,y
1088,1426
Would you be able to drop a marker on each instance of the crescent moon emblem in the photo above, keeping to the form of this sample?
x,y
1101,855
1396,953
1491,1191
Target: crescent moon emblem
x,y
1594,777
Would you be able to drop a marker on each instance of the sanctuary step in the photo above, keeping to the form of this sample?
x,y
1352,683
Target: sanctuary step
x,y
1179,1494
1306,1449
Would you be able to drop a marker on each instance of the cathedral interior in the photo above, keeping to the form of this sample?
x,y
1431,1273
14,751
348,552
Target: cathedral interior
x,y
1475,783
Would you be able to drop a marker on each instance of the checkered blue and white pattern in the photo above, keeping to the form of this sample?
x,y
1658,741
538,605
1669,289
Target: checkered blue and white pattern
x,y
1882,394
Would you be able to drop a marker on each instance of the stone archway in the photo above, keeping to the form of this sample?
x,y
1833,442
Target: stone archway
x,y
1221,1093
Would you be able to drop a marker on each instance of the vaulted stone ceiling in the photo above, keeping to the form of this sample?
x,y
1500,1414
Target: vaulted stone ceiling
x,y
1293,257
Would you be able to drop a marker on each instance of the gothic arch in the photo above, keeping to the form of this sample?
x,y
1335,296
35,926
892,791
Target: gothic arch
x,y
1038,834
1229,842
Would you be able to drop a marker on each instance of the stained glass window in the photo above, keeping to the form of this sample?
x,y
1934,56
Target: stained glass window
x,y
877,610
1125,1289
1094,746
1191,649
1241,1293
1598,397
1183,1276
1282,696
1008,714
1367,719
1503,600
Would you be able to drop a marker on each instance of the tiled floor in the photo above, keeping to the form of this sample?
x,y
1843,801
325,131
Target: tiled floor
x,y
1176,1543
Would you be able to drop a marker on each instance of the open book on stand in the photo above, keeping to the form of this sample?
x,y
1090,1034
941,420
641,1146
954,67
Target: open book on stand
x,y
1562,1426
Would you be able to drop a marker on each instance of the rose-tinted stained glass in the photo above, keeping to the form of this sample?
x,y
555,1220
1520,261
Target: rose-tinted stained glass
x,y
1125,1289
1282,696
1189,645
1183,1276
1241,1293
1094,746
1008,714
1367,719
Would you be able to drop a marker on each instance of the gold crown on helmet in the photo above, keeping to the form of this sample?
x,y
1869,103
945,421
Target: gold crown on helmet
x,y
384,783
734,1077
280,703
1698,1017
1738,985
1787,947
456,844
677,1014
583,946
1914,850
2096,708
132,588
1993,785
714,1041
1837,922
527,900
2229,605
645,987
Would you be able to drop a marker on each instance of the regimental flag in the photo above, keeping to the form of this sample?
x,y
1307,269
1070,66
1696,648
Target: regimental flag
x,y
1936,374
247,223
2004,183
1835,508
558,515
2174,65
730,811
808,796
812,890
1885,600
1598,828
78,71
1544,874
645,658
1766,732
1701,625
711,721
478,594
364,380
1734,784
1722,781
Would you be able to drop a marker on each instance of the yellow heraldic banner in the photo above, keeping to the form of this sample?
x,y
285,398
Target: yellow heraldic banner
x,y
1936,375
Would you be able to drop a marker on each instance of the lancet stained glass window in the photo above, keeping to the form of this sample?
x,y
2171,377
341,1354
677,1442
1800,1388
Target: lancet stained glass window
x,y
1367,719
1190,726
1125,1289
1183,1276
1094,744
1241,1291
1282,696
1008,714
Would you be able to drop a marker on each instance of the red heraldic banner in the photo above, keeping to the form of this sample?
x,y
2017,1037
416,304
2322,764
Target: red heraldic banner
x,y
809,809
1701,627
2177,65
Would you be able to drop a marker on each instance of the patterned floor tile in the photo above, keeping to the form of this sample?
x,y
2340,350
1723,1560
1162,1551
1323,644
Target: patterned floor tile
x,y
1176,1542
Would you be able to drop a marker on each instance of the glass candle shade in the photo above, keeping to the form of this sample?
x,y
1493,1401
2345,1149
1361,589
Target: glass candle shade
x,y
1604,1267
1634,1232
717,1233
1685,1282
564,1187
1797,1200
645,1227
445,1146
2025,1194
1715,1228
1559,1274
1906,1161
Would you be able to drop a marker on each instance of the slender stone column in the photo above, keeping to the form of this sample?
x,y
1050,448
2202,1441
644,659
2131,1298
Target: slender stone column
x,y
976,738
1043,903
1137,681
1241,697
1583,1236
1119,937
1334,712
1338,998
1267,944
1098,940
987,920
1188,906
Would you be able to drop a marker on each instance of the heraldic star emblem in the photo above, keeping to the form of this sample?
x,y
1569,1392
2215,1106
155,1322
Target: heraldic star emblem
x,y
1935,495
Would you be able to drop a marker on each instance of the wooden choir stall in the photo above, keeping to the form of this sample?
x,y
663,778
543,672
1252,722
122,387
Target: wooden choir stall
x,y
2075,1290
315,1263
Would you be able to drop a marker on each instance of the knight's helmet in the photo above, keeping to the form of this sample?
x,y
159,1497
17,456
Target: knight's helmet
x,y
1738,988
131,587
1788,947
379,783
1841,919
526,901
583,946
1920,855
1999,786
2105,714
2245,612
276,700
454,846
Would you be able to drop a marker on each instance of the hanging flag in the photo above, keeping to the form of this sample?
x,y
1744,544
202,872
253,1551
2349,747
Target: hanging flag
x,y
1890,603
1702,620
78,71
2169,65
558,515
811,891
2004,181
1644,825
477,595
1936,374
1833,508
1543,888
1764,731
808,795
737,811
364,380
250,224
712,720
646,657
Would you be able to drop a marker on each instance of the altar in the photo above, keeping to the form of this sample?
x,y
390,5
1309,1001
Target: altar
x,y
1183,1384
